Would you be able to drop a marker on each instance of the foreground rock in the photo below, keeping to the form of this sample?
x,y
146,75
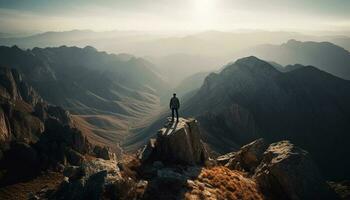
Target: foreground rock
x,y
248,157
177,142
89,180
282,170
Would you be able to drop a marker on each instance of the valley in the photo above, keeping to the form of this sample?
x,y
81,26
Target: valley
x,y
116,103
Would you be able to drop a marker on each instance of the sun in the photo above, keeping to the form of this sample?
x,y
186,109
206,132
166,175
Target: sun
x,y
204,12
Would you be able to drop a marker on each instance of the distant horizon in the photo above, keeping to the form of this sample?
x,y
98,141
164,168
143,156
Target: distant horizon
x,y
178,32
33,16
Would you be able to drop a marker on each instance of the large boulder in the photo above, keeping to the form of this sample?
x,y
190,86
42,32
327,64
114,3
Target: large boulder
x,y
178,142
89,180
248,157
287,172
104,153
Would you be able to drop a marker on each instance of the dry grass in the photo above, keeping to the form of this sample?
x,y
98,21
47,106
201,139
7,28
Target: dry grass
x,y
222,183
19,191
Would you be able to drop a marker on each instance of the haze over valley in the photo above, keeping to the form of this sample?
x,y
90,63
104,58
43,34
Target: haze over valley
x,y
263,90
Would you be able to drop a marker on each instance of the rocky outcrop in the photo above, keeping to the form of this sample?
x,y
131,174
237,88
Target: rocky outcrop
x,y
89,180
342,189
13,87
33,134
104,153
177,142
290,173
4,129
282,170
248,157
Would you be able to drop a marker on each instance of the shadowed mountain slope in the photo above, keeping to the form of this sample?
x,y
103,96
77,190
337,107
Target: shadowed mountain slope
x,y
33,134
103,90
251,99
323,55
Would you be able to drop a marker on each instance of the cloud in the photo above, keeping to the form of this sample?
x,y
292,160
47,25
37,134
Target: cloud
x,y
46,15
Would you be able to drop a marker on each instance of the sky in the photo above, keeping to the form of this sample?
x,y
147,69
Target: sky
x,y
171,15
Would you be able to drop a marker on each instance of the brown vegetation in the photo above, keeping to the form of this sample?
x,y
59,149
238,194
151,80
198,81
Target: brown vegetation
x,y
222,183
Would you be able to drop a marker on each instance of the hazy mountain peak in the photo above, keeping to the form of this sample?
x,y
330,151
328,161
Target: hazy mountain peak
x,y
90,48
253,65
324,55
249,60
292,41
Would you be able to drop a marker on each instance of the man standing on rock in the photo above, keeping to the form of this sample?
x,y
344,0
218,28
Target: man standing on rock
x,y
174,106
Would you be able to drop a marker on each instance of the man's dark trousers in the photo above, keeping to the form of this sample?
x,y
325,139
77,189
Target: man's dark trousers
x,y
172,114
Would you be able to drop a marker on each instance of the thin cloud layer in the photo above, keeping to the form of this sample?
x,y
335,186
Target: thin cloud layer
x,y
285,15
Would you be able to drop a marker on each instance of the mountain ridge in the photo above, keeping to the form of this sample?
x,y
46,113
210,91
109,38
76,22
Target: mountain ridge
x,y
242,103
97,87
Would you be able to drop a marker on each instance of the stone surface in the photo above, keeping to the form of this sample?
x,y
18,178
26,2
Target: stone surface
x,y
248,157
89,180
177,142
287,172
224,159
104,153
74,172
342,189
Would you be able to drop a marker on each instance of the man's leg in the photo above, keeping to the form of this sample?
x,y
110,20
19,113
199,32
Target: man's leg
x,y
177,114
172,114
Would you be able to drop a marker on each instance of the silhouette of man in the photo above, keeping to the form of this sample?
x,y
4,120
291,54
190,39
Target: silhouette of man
x,y
174,106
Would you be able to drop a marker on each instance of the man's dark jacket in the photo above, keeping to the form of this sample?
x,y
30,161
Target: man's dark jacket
x,y
174,103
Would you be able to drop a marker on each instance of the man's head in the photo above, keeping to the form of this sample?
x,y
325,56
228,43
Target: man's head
x,y
174,94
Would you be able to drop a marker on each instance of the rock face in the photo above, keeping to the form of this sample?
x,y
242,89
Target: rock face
x,y
249,156
104,153
282,170
177,142
89,180
35,135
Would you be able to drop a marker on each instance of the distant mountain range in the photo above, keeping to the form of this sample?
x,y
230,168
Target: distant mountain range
x,y
107,93
250,99
324,55
177,56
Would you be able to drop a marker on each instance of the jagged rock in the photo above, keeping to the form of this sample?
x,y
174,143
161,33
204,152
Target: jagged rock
x,y
147,151
89,180
342,189
74,157
224,159
70,190
287,172
94,185
74,172
126,188
104,153
94,166
248,157
34,135
13,87
178,142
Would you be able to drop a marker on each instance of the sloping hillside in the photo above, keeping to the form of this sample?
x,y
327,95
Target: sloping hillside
x,y
107,93
323,55
251,99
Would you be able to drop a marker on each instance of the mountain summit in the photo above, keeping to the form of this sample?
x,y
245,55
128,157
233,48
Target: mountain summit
x,y
250,99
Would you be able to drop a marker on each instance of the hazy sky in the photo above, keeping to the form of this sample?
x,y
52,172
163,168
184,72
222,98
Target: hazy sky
x,y
99,15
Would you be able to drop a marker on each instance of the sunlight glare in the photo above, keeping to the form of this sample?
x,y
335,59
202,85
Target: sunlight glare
x,y
204,12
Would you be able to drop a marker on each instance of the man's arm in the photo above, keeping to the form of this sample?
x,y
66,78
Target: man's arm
x,y
178,102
